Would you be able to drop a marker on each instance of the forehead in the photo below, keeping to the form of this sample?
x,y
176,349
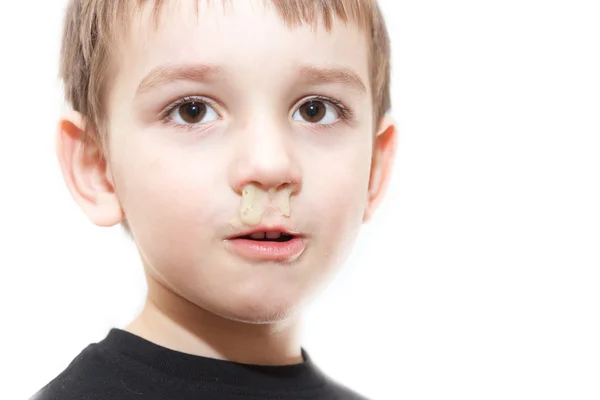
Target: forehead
x,y
248,37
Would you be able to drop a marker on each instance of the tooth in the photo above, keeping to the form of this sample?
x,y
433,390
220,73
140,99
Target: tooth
x,y
258,235
273,235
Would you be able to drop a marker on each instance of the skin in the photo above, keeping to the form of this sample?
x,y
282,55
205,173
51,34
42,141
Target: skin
x,y
180,185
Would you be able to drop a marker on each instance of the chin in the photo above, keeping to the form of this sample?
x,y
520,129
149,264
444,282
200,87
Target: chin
x,y
257,310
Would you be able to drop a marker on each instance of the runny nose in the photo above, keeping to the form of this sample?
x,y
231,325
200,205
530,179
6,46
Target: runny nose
x,y
255,202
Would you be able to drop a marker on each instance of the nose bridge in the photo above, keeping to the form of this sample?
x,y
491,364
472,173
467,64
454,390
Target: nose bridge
x,y
264,152
265,140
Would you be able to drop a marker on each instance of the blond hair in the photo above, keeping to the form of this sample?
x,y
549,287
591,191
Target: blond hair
x,y
92,28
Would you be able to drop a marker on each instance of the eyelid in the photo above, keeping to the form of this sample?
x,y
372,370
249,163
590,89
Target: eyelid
x,y
189,99
345,112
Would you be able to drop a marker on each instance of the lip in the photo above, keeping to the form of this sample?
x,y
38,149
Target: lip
x,y
254,250
267,251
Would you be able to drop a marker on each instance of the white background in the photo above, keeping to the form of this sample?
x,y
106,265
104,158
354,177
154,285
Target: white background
x,y
478,279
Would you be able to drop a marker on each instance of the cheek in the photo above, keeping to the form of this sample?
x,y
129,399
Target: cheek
x,y
168,200
339,198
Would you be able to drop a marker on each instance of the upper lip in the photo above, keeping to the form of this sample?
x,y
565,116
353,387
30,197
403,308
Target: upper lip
x,y
279,229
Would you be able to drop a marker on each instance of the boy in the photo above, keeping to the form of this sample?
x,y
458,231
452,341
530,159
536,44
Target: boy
x,y
241,144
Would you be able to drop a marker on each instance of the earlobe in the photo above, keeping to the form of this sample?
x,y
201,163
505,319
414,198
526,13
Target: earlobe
x,y
384,151
85,172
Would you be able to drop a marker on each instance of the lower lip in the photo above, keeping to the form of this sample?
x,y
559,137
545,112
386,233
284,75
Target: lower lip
x,y
267,251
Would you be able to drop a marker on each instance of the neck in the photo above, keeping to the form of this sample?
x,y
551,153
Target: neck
x,y
171,321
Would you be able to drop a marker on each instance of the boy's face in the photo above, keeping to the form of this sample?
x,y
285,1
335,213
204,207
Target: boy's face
x,y
178,166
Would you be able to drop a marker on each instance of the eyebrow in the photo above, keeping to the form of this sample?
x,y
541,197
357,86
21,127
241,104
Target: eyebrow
x,y
346,76
205,72
169,73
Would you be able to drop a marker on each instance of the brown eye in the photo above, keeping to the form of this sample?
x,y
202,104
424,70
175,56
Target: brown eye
x,y
313,111
317,112
193,112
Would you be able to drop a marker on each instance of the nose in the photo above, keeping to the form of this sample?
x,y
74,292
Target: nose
x,y
265,156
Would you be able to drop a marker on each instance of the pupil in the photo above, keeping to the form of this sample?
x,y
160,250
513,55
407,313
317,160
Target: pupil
x,y
313,111
193,112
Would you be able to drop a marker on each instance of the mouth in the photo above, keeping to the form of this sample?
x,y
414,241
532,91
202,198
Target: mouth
x,y
279,237
276,234
264,244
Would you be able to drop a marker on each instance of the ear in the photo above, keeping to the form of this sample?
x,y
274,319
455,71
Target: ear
x,y
86,172
384,151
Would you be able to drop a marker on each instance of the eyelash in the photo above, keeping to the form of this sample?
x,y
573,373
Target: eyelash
x,y
344,112
165,115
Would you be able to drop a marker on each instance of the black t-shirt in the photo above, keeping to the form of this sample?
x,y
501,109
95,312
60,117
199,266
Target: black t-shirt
x,y
124,366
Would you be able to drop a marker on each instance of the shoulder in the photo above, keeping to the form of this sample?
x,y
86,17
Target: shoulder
x,y
93,374
341,392
338,391
333,388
